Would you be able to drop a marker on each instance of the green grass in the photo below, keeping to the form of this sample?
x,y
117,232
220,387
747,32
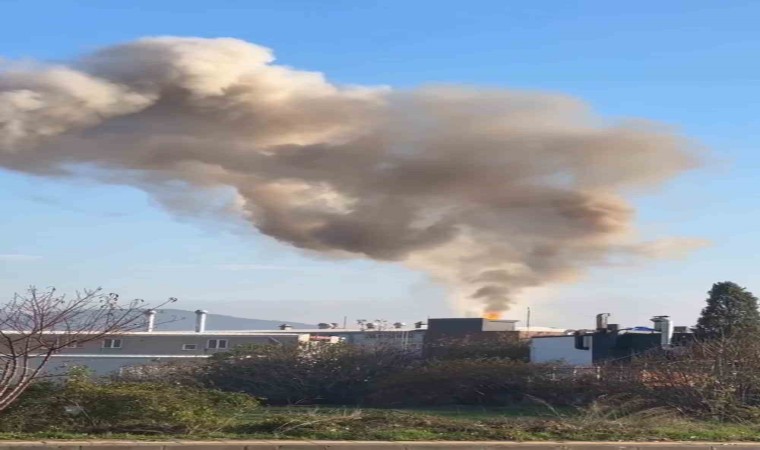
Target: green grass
x,y
491,412
466,412
464,423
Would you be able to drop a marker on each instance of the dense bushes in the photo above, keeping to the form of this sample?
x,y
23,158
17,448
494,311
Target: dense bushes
x,y
87,406
347,375
492,382
715,378
344,375
467,382
503,346
335,374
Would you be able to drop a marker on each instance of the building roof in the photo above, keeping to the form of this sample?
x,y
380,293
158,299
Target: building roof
x,y
178,333
549,336
253,333
128,355
343,330
541,329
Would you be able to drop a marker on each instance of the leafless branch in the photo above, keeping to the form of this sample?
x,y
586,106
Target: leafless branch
x,y
38,324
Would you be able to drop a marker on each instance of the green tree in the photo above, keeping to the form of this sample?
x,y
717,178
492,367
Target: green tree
x,y
730,309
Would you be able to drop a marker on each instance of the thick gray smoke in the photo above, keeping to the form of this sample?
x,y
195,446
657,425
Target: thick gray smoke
x,y
491,191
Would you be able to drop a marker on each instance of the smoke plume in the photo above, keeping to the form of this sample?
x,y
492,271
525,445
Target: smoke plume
x,y
490,191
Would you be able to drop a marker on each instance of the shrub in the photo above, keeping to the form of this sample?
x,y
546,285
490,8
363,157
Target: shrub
x,y
488,345
717,378
334,374
177,373
38,408
464,382
83,405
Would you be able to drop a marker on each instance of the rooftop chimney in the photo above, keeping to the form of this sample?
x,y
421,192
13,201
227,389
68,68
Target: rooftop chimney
x,y
664,325
200,320
150,320
601,321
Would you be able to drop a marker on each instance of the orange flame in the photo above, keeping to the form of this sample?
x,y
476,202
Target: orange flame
x,y
492,315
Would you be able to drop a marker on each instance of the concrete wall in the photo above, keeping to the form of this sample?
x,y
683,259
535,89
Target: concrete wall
x,y
105,366
559,349
142,348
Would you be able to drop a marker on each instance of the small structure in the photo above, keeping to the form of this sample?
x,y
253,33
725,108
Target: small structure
x,y
441,331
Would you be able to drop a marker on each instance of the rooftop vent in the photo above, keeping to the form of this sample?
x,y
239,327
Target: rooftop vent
x,y
664,325
601,321
200,320
150,320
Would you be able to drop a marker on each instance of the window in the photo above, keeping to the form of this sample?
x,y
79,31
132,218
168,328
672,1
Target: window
x,y
217,344
73,344
111,343
189,346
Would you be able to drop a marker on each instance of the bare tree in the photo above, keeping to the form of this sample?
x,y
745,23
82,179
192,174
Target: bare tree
x,y
38,324
716,378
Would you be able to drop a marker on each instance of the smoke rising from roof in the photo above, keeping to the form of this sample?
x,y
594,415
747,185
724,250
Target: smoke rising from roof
x,y
490,191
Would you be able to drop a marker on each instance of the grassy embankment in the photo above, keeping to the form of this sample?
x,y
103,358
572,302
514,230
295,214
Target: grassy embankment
x,y
453,423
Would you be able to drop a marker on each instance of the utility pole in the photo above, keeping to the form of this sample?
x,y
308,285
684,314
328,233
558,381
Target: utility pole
x,y
527,322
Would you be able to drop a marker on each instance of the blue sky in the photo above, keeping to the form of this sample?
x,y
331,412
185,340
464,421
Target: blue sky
x,y
690,64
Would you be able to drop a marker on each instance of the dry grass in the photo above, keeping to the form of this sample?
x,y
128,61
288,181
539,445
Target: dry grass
x,y
599,423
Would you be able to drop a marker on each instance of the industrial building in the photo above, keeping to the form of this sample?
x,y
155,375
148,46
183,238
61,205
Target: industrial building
x,y
441,331
111,354
149,346
370,334
607,342
139,348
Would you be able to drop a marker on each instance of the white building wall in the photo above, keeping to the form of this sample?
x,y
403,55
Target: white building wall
x,y
499,325
153,348
143,348
105,365
559,349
